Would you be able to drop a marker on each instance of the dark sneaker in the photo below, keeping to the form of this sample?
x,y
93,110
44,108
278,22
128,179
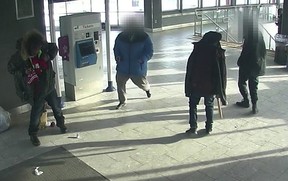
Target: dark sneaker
x,y
120,105
34,140
148,93
63,129
208,129
224,103
243,103
254,109
191,131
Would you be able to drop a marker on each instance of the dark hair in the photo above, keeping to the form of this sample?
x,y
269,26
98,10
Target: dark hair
x,y
34,40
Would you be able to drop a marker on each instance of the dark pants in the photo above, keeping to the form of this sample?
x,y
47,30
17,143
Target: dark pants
x,y
209,105
37,109
252,84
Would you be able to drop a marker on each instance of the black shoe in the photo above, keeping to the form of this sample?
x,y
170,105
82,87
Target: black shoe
x,y
148,93
63,129
224,103
191,131
120,105
208,129
243,103
254,109
34,140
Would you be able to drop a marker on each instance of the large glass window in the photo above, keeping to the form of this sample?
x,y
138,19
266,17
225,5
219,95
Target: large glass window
x,y
169,5
241,2
78,6
264,1
209,3
131,8
225,2
188,4
254,1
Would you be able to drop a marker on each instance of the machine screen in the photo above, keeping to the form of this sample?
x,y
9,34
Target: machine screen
x,y
86,48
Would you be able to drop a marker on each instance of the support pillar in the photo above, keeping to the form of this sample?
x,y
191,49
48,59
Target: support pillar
x,y
153,15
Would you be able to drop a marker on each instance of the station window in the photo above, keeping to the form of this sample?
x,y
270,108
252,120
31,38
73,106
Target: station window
x,y
210,3
254,2
170,5
241,2
225,2
188,4
264,1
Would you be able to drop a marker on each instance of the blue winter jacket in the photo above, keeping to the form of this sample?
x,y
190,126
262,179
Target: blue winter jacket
x,y
132,50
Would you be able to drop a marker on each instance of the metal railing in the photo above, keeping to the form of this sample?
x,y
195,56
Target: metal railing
x,y
227,16
271,38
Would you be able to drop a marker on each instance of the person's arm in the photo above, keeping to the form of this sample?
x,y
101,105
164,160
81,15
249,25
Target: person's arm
x,y
49,51
148,50
188,85
116,50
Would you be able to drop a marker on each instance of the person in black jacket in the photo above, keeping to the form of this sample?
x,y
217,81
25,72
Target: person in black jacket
x,y
279,20
251,64
32,62
205,77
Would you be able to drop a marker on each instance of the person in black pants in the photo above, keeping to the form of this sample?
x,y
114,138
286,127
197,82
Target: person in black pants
x,y
205,77
251,64
32,62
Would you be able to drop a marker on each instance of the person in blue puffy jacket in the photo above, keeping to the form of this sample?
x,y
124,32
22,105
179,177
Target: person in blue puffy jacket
x,y
132,50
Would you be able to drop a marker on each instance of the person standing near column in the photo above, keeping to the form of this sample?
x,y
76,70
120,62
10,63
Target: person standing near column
x,y
32,62
251,64
132,50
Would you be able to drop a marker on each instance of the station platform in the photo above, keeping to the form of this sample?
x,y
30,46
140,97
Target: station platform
x,y
146,140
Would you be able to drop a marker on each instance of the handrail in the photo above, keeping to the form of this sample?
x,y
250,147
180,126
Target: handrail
x,y
231,7
220,28
270,36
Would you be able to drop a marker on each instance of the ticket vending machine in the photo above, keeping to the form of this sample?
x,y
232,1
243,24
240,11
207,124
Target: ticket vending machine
x,y
80,46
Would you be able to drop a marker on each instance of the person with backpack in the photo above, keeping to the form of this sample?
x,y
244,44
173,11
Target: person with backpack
x,y
205,77
35,79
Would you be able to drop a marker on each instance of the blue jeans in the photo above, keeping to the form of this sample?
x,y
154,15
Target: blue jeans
x,y
38,108
209,106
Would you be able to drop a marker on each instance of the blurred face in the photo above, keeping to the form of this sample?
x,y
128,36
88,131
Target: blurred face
x,y
34,50
132,24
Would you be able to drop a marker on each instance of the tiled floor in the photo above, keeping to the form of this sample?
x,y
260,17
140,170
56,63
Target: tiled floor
x,y
146,141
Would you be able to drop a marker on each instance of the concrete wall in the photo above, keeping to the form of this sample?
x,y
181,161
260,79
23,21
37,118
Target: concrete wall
x,y
12,29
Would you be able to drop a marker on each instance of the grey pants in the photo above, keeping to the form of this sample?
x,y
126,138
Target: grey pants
x,y
122,79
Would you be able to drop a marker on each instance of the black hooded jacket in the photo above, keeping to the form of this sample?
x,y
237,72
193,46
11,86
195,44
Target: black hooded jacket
x,y
252,58
206,68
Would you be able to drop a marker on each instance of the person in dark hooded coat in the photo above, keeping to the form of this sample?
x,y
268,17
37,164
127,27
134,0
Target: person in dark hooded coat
x,y
251,64
205,77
